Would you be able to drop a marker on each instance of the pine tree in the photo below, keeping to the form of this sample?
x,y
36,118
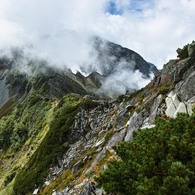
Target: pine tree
x,y
160,160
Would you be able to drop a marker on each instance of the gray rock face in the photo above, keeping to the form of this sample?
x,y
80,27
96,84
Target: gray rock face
x,y
187,89
89,188
154,110
4,92
116,138
133,125
149,112
174,106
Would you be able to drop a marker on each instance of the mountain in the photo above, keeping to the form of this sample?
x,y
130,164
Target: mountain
x,y
18,81
122,69
19,74
111,57
56,136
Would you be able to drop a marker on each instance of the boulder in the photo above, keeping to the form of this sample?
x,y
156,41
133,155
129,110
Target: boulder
x,y
174,106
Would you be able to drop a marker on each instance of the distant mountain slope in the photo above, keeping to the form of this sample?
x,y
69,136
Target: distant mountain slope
x,y
19,73
112,57
17,80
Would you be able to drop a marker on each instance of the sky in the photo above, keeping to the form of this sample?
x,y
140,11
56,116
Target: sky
x,y
60,30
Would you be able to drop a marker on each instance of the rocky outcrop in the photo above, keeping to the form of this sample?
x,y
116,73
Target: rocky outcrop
x,y
174,106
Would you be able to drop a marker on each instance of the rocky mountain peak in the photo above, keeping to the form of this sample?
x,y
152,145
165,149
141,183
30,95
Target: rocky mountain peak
x,y
112,57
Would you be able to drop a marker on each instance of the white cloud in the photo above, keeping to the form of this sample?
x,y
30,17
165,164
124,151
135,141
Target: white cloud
x,y
59,30
160,29
122,81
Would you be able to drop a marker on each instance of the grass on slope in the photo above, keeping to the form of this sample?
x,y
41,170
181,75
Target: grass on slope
x,y
54,144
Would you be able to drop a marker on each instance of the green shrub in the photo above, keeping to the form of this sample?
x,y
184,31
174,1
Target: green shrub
x,y
160,160
9,178
24,121
183,53
54,144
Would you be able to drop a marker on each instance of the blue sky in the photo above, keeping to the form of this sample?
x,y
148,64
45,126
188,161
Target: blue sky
x,y
141,5
131,6
112,8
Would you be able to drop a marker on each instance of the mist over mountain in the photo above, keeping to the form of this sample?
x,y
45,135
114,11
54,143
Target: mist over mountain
x,y
113,71
124,69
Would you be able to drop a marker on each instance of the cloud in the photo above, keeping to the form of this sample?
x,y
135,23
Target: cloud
x,y
121,81
60,29
155,29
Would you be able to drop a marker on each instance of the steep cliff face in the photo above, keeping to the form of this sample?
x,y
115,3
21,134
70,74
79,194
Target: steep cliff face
x,y
56,144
